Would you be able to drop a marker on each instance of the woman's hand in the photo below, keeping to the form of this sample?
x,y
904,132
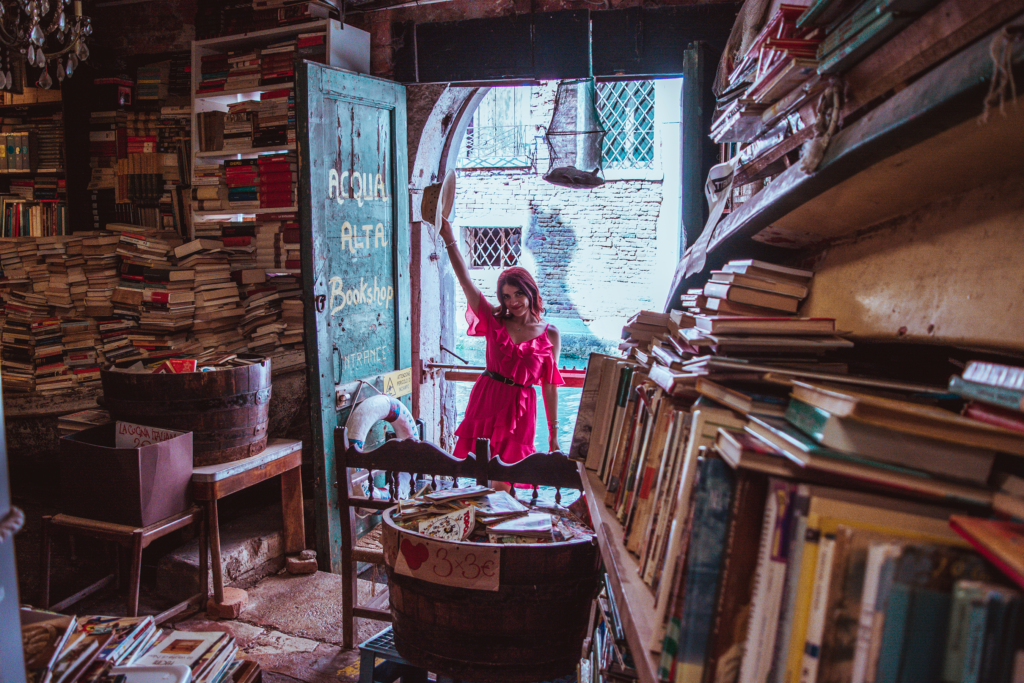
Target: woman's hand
x,y
553,441
445,231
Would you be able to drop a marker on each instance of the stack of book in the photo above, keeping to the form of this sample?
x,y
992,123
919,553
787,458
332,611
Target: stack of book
x,y
995,396
277,243
780,58
278,174
217,305
272,323
209,190
242,179
854,30
90,648
238,126
277,63
101,270
152,80
213,73
108,142
798,523
243,70
82,355
272,119
84,419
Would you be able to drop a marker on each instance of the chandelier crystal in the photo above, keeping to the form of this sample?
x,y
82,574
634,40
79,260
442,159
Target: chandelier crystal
x,y
45,32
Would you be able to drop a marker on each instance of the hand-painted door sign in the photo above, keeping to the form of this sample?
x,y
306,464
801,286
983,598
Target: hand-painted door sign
x,y
355,254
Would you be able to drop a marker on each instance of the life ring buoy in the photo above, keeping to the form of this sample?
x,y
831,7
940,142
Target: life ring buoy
x,y
375,409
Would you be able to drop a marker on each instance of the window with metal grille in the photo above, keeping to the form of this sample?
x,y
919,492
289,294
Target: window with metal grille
x,y
626,109
497,135
493,247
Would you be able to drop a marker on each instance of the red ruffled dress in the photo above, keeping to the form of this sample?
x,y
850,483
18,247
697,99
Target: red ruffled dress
x,y
505,414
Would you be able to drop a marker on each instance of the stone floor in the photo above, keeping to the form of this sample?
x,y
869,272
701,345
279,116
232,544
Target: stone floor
x,y
291,625
292,628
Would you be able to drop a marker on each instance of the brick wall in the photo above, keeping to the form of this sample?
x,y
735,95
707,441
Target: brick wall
x,y
591,250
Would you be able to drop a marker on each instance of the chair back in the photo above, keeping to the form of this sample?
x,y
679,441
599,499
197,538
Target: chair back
x,y
412,456
540,469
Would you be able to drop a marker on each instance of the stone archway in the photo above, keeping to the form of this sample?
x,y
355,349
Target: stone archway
x,y
437,117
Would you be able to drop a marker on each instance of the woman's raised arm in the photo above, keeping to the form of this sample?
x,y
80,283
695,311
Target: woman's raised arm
x,y
451,244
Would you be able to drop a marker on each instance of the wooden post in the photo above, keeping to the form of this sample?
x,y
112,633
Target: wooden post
x,y
699,152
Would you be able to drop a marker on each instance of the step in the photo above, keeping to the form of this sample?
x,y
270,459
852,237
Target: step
x,y
251,546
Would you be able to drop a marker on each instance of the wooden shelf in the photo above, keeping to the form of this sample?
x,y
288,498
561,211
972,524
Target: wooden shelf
x,y
264,37
226,97
25,171
634,599
248,212
253,151
922,145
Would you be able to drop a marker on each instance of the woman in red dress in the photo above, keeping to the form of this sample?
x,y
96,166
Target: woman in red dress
x,y
522,351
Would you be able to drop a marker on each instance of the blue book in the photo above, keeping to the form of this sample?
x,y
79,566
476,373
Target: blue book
x,y
921,593
703,568
986,393
925,640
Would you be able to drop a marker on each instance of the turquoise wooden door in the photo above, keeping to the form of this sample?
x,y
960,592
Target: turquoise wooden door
x,y
354,210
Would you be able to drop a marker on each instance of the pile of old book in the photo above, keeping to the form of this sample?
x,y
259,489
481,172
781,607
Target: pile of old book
x,y
819,516
484,515
89,649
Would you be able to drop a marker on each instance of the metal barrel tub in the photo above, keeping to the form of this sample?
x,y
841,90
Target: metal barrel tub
x,y
489,613
227,409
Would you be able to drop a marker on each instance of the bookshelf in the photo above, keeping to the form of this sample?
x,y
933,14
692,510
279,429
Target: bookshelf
x,y
634,599
907,224
920,146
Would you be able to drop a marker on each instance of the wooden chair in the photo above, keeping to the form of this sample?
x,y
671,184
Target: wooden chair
x,y
539,469
408,455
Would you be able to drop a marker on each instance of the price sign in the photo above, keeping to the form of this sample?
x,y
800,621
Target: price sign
x,y
450,564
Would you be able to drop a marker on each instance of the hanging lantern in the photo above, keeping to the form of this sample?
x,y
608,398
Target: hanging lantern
x,y
575,136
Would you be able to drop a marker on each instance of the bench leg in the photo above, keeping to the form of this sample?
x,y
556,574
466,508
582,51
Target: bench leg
x,y
136,575
214,525
204,560
291,510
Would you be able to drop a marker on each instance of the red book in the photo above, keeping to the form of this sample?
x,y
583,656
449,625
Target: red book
x,y
276,188
237,241
1000,542
274,94
291,237
293,265
277,176
312,40
994,415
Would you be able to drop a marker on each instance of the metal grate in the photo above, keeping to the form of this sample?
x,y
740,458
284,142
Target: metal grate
x,y
626,109
493,247
497,147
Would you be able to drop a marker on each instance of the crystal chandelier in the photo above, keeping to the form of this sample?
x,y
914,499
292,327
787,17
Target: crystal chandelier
x,y
44,31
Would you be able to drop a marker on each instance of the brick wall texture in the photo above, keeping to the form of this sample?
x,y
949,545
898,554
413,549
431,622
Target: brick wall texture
x,y
591,251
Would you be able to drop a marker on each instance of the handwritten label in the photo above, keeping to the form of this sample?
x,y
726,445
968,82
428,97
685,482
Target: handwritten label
x,y
449,564
398,383
128,435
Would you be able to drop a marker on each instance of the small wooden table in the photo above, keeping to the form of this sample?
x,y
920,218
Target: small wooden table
x,y
282,457
136,538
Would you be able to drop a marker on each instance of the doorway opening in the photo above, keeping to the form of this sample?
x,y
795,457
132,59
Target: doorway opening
x,y
599,255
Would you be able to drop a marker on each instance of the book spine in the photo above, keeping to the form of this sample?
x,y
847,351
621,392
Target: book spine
x,y
996,375
818,609
794,658
1000,396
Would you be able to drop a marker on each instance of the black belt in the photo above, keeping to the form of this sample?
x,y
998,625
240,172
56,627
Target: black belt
x,y
503,380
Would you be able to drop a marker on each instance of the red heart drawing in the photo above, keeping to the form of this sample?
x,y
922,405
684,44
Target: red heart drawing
x,y
415,553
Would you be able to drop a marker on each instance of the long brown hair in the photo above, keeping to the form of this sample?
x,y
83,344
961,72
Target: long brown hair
x,y
521,279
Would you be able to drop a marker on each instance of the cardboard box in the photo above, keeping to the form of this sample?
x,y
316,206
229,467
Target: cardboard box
x,y
133,486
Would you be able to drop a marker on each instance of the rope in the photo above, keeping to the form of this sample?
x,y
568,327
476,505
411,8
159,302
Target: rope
x,y
1002,71
826,123
11,523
